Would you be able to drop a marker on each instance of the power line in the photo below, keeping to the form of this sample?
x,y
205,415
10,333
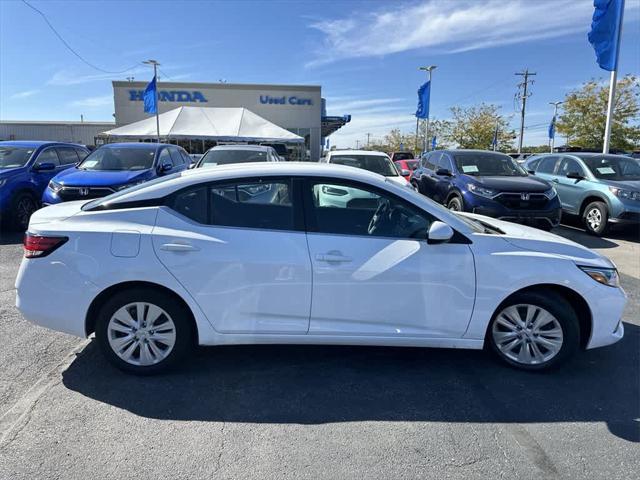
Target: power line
x,y
64,42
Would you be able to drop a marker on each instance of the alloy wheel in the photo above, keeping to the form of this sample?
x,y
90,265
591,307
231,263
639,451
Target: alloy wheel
x,y
594,218
527,334
141,333
24,210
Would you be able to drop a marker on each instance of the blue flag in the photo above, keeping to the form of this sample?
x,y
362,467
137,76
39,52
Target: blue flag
x,y
605,32
552,128
434,142
423,100
494,142
150,97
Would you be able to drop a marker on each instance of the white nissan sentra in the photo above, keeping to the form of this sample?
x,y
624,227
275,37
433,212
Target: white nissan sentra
x,y
256,253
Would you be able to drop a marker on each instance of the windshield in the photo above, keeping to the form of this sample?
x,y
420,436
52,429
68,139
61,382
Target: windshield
x,y
374,163
613,167
119,158
480,164
14,157
403,156
224,157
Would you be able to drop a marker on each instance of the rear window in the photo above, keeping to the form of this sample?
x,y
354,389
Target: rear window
x,y
403,156
224,157
373,163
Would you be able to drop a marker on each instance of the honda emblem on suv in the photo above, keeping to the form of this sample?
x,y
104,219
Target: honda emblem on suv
x,y
84,191
524,196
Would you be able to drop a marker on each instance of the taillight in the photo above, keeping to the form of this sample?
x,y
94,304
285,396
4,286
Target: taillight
x,y
36,246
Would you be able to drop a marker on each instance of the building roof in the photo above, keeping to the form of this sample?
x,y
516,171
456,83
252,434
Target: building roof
x,y
237,86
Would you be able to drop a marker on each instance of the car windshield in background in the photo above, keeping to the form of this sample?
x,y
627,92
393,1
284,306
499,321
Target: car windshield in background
x,y
15,157
612,167
119,159
403,156
412,164
481,164
373,163
224,157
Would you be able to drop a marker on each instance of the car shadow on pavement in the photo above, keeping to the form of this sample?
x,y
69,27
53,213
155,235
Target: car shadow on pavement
x,y
321,384
572,229
10,238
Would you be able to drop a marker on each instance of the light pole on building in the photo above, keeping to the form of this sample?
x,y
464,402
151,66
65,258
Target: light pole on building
x,y
428,69
555,114
155,75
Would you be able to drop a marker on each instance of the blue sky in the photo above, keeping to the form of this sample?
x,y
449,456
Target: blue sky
x,y
365,54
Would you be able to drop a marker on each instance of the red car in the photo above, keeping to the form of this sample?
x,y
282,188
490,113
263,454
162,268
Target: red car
x,y
406,167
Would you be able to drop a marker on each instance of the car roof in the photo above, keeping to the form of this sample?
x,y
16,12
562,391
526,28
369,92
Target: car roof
x,y
258,148
141,145
37,143
356,152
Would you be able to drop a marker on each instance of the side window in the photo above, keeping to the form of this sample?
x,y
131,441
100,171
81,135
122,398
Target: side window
x,y
569,165
533,164
186,157
164,157
192,204
82,154
547,165
445,162
68,155
176,158
48,156
432,161
349,210
265,205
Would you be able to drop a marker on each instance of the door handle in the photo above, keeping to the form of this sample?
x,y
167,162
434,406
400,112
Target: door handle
x,y
333,258
178,247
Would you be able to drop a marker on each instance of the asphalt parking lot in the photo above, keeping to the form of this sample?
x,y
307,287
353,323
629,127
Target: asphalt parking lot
x,y
318,412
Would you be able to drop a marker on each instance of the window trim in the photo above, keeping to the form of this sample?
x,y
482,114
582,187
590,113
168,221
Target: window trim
x,y
51,147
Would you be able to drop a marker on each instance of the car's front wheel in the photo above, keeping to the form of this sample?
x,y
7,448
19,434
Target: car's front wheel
x,y
144,331
595,218
455,204
23,207
534,330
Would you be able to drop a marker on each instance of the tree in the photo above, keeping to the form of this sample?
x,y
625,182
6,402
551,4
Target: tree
x,y
584,114
474,127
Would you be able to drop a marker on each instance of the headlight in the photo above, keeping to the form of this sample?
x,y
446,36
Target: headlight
x,y
606,276
551,193
55,187
482,191
628,194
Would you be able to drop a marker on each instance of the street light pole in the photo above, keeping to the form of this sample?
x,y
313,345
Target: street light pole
x,y
428,69
555,114
155,75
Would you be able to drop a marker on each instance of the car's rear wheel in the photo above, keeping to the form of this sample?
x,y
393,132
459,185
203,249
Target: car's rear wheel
x,y
23,207
455,204
534,330
595,218
144,331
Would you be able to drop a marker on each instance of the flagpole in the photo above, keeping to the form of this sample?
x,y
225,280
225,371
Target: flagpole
x,y
155,75
612,89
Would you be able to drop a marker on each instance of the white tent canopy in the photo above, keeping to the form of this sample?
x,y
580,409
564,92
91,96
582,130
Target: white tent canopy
x,y
214,123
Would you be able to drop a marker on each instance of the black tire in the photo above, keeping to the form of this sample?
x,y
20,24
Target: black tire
x,y
22,207
557,306
591,213
455,204
178,313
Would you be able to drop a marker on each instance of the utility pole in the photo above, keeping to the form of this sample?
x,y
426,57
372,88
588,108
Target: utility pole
x,y
552,140
155,75
368,136
357,144
525,83
428,69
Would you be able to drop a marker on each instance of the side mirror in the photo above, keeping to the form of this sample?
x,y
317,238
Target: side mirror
x,y
443,172
165,167
439,232
42,167
404,172
575,175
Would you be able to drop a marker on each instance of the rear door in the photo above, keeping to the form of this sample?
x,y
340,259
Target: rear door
x,y
375,274
240,250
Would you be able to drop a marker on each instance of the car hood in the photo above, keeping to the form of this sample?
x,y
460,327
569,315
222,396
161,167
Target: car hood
x,y
9,172
75,177
513,184
545,243
624,184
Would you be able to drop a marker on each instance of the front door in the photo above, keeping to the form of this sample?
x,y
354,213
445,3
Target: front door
x,y
570,189
375,274
238,249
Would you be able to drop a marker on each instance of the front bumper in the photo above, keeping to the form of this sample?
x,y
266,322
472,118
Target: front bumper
x,y
491,208
607,305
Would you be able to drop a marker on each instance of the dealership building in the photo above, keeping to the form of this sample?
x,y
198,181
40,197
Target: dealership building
x,y
297,108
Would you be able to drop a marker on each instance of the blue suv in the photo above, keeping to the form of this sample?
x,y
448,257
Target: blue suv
x,y
114,167
25,170
601,189
487,183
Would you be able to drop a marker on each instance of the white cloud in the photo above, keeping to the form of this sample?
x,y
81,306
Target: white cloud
x,y
25,94
93,102
450,26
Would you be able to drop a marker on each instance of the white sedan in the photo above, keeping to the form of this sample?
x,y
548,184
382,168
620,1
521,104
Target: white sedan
x,y
246,255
